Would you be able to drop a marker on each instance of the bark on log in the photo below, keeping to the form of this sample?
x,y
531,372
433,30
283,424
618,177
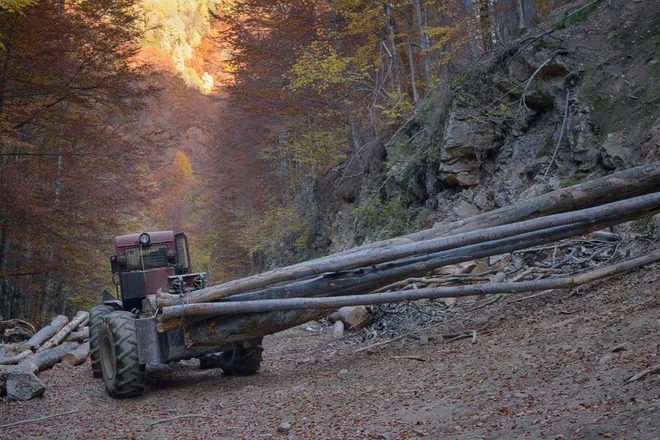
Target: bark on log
x,y
368,279
77,356
241,328
80,317
78,336
14,330
48,331
47,358
12,360
580,196
442,292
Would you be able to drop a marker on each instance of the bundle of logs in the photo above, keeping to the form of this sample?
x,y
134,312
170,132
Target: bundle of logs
x,y
63,342
273,301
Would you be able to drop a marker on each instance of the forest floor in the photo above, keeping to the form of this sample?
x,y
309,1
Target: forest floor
x,y
554,366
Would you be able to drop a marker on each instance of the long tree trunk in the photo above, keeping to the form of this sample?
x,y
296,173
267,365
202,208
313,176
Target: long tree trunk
x,y
367,279
389,24
243,327
618,186
529,7
65,331
485,25
521,16
411,63
469,25
48,331
272,305
424,44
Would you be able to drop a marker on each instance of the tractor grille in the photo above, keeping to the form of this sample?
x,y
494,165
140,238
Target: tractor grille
x,y
147,257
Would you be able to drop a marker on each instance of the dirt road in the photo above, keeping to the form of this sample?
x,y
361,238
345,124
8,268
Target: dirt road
x,y
553,367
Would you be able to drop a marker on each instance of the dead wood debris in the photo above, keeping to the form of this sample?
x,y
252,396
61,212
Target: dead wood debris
x,y
567,257
38,419
642,374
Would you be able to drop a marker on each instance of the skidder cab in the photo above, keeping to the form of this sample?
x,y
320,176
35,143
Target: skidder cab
x,y
144,263
123,333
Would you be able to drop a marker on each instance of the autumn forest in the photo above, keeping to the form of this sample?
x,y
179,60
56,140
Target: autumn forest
x,y
222,118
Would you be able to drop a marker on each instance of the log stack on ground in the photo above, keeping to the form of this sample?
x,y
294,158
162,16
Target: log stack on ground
x,y
443,251
46,348
80,319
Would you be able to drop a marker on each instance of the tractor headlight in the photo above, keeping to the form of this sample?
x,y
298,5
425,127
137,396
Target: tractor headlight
x,y
144,238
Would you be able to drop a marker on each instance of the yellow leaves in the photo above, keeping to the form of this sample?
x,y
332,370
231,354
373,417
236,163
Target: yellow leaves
x,y
178,28
398,109
276,226
440,35
182,164
319,67
16,5
310,146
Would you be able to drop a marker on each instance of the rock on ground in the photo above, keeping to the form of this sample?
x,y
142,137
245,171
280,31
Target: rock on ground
x,y
24,386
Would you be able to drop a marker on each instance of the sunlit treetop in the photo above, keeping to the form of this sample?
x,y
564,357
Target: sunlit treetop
x,y
178,28
16,5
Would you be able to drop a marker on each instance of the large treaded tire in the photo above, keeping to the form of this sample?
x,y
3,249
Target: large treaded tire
x,y
244,360
95,318
122,373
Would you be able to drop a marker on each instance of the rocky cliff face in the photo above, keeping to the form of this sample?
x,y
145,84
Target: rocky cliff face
x,y
545,112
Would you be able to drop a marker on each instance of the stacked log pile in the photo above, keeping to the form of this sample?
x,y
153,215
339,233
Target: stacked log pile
x,y
283,298
61,341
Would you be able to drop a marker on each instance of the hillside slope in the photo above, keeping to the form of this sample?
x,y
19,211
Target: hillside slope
x,y
591,105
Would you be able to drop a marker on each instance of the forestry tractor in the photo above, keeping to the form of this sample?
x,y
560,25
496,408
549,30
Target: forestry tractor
x,y
123,333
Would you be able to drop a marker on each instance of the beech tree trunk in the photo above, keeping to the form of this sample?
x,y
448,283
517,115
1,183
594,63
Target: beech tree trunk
x,y
77,356
47,358
48,331
373,256
243,327
78,336
77,320
424,43
348,302
368,279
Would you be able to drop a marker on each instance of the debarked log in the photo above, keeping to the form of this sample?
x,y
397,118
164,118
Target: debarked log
x,y
77,320
615,187
366,280
434,293
10,360
78,336
47,358
48,331
77,356
230,329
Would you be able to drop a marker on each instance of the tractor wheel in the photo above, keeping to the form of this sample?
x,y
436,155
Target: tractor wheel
x,y
122,373
244,359
95,317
